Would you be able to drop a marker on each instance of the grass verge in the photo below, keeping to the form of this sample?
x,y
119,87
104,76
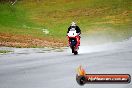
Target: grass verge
x,y
30,18
4,51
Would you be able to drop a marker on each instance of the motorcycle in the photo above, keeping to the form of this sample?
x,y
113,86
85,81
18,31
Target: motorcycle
x,y
74,41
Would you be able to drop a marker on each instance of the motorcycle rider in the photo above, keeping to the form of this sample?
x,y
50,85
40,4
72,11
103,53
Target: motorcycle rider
x,y
73,26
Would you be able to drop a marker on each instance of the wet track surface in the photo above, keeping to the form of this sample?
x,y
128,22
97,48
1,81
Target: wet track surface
x,y
58,69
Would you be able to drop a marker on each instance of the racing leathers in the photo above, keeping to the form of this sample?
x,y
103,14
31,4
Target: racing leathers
x,y
78,31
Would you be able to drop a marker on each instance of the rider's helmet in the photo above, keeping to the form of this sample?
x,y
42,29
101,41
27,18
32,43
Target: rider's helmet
x,y
73,24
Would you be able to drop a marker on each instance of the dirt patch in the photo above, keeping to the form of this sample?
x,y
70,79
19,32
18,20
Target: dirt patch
x,y
11,40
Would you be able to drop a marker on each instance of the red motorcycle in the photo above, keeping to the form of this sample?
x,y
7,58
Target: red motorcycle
x,y
74,41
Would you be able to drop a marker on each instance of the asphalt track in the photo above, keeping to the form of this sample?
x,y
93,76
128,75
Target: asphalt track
x,y
58,69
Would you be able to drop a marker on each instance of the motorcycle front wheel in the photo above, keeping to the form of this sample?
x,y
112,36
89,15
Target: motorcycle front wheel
x,y
75,52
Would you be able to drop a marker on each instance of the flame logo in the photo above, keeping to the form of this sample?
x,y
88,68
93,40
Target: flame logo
x,y
81,71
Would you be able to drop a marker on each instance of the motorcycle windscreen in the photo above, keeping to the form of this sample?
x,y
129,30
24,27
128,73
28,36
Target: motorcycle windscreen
x,y
73,41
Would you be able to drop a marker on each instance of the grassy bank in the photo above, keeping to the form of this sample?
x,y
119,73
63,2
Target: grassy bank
x,y
32,18
4,51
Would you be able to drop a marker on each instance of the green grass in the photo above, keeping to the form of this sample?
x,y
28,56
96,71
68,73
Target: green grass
x,y
57,15
28,17
5,51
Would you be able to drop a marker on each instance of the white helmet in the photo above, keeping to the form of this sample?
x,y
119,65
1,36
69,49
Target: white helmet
x,y
73,24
